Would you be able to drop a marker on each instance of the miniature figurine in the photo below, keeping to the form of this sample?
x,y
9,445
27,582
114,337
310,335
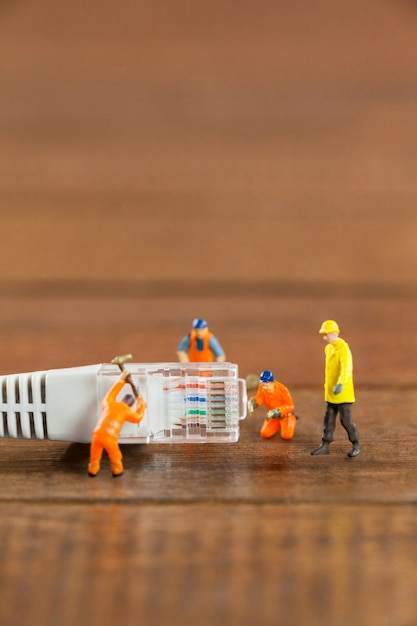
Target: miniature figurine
x,y
277,399
106,434
200,345
338,389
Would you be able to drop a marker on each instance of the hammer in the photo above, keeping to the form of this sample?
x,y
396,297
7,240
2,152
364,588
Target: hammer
x,y
120,361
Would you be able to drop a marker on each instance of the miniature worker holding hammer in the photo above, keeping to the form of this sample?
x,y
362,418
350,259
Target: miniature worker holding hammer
x,y
106,434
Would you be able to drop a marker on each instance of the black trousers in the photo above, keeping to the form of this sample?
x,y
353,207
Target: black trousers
x,y
344,410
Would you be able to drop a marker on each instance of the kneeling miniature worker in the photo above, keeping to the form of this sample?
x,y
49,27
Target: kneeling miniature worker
x,y
338,389
106,434
277,399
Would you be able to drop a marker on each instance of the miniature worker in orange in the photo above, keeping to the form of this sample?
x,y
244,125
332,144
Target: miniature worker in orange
x,y
277,399
106,433
200,345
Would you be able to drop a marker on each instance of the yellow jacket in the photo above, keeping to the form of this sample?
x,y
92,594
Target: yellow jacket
x,y
338,370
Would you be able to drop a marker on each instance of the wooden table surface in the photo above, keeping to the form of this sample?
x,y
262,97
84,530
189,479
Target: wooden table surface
x,y
253,163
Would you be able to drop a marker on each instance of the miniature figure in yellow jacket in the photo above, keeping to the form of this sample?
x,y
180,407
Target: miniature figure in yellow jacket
x,y
338,371
339,392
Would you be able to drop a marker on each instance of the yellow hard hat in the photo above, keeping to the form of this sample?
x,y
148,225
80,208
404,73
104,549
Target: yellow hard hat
x,y
329,326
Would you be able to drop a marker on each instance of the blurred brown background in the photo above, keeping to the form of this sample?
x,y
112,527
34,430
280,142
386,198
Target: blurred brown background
x,y
253,163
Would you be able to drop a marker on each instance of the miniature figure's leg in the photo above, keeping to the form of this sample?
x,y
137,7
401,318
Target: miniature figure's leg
x,y
347,422
270,427
329,422
96,451
328,429
115,457
288,426
350,427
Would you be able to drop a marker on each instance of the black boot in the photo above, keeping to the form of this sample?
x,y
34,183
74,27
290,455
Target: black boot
x,y
356,449
324,448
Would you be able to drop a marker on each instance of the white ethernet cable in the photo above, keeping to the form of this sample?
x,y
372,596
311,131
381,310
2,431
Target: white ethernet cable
x,y
186,402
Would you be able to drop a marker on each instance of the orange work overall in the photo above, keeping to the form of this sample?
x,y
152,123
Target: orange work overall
x,y
280,398
114,415
200,356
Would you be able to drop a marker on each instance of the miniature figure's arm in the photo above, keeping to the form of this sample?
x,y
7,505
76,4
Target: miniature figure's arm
x,y
137,416
346,369
281,411
183,348
217,350
286,405
115,390
256,401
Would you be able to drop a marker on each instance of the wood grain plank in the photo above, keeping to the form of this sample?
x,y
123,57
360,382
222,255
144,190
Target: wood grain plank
x,y
277,332
253,470
285,130
311,563
253,164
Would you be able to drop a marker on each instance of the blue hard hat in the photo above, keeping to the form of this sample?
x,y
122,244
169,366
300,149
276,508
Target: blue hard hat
x,y
266,377
199,323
